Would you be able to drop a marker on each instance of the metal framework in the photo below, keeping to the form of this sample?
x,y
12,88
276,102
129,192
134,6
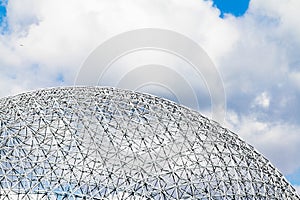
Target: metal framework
x,y
107,143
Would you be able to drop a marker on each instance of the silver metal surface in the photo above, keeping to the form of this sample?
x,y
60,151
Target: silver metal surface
x,y
107,143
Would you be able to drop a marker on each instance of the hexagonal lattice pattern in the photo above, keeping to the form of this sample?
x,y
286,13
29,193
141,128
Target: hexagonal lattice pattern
x,y
104,143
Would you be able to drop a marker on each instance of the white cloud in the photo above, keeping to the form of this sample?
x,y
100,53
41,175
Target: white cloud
x,y
285,11
278,141
255,53
57,36
262,100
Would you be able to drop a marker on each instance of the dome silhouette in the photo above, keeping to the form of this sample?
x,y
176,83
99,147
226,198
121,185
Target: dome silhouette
x,y
108,143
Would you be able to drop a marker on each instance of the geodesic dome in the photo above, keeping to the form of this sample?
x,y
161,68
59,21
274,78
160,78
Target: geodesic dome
x,y
106,143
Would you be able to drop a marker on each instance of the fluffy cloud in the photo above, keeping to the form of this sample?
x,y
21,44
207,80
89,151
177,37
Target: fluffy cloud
x,y
55,37
257,55
278,141
262,100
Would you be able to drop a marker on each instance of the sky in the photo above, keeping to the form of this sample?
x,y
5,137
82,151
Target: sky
x,y
2,11
236,8
254,45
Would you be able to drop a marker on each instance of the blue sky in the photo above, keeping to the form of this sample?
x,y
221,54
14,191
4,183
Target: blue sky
x,y
255,46
2,16
2,12
236,8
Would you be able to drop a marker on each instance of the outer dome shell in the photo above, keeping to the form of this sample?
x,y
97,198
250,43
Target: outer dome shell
x,y
106,143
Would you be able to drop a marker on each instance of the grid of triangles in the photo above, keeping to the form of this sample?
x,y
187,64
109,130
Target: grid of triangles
x,y
107,143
